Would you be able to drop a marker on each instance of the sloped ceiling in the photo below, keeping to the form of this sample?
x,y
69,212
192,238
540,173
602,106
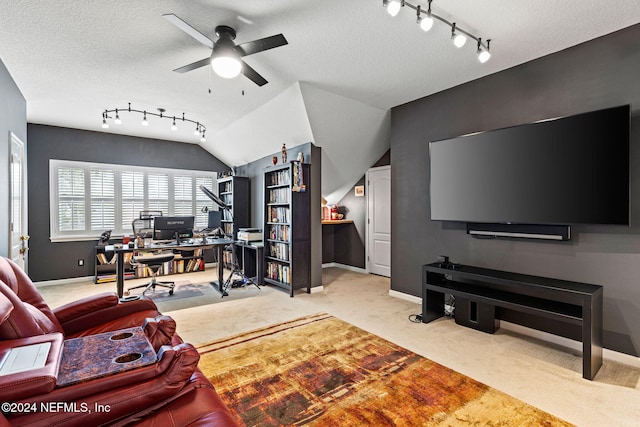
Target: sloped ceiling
x,y
352,135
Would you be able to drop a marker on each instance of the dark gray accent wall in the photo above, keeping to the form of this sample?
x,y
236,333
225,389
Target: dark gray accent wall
x,y
600,73
13,118
255,171
51,261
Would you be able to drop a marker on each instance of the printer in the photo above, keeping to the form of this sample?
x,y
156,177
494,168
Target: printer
x,y
250,234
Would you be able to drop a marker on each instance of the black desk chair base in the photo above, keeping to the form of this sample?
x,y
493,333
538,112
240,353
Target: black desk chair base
x,y
154,262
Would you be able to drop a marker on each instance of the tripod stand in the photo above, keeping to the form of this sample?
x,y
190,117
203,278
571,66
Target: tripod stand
x,y
235,272
235,266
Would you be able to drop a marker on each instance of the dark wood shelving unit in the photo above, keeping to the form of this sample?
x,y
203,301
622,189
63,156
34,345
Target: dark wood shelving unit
x,y
287,229
235,191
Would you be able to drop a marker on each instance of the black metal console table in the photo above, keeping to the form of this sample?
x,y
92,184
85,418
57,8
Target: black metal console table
x,y
569,309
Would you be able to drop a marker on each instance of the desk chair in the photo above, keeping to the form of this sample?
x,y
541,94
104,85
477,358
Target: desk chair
x,y
154,262
143,225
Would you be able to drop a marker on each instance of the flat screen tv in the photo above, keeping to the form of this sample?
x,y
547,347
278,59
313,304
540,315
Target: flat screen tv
x,y
569,170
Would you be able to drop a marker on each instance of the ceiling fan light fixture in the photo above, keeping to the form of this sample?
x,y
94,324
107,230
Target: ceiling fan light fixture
x,y
226,67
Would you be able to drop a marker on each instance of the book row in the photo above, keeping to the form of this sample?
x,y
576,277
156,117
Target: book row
x,y
279,272
278,178
280,251
279,232
278,214
278,195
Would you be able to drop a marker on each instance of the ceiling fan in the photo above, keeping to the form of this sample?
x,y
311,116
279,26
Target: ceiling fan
x,y
226,56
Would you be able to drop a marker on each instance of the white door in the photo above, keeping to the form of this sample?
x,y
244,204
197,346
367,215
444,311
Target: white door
x,y
17,202
379,220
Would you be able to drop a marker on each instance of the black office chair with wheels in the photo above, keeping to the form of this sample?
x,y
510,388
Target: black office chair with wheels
x,y
154,262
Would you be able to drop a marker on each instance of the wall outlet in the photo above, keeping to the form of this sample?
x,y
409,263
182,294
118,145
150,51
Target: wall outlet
x,y
80,262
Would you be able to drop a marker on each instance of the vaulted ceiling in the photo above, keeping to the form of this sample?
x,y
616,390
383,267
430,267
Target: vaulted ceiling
x,y
74,59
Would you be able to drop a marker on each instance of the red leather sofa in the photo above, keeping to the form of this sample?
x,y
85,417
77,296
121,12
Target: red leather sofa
x,y
170,392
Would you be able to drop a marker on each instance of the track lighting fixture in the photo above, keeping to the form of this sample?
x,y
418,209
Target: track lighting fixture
x,y
427,19
483,52
459,39
393,6
425,22
199,130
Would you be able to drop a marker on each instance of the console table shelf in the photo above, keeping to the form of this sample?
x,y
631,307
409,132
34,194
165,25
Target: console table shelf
x,y
569,309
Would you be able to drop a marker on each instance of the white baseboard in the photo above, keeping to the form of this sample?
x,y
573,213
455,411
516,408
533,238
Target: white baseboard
x,y
406,297
316,289
63,281
614,356
344,266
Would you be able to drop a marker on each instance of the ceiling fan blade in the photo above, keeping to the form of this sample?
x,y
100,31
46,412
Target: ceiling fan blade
x,y
188,29
249,48
193,66
253,75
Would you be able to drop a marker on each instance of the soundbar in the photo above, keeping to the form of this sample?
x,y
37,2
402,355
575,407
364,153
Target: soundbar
x,y
523,231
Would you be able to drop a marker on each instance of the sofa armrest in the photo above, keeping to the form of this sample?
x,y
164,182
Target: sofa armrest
x,y
35,381
118,395
98,309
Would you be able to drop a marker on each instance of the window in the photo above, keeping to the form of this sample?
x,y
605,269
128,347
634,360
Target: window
x,y
89,198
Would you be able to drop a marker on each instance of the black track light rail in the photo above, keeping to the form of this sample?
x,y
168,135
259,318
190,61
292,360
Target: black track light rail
x,y
199,126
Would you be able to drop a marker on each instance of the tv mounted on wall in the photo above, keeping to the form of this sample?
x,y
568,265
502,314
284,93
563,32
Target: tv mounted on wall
x,y
563,171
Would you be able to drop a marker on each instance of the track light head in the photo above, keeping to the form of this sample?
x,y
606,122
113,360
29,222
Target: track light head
x,y
105,125
173,126
459,39
483,53
144,120
394,6
425,22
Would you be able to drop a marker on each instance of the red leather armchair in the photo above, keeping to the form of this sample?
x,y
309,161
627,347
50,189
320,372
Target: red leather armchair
x,y
170,392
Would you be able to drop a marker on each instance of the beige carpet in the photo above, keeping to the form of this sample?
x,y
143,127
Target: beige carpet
x,y
544,375
295,373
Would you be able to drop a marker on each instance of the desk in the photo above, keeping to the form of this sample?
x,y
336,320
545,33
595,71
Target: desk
x,y
217,244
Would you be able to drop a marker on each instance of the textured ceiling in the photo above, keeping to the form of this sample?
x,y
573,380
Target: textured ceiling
x,y
73,59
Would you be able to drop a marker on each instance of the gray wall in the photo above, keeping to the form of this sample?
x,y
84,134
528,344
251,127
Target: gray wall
x,y
13,117
598,74
59,260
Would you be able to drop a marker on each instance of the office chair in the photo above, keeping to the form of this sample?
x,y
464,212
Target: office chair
x,y
154,263
143,225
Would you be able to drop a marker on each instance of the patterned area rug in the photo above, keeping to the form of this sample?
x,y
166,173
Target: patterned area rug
x,y
319,370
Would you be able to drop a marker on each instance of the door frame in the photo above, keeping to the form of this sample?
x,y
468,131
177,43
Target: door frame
x,y
368,217
13,138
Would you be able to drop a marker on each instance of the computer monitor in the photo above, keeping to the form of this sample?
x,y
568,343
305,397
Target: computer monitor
x,y
214,220
173,227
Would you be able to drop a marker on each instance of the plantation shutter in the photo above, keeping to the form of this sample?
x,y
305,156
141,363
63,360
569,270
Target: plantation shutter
x,y
71,199
158,192
202,201
132,189
183,195
103,209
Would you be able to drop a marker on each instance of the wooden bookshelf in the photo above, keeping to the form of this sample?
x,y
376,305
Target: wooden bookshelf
x,y
287,229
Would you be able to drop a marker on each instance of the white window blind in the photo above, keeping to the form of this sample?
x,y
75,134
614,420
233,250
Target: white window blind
x,y
89,198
